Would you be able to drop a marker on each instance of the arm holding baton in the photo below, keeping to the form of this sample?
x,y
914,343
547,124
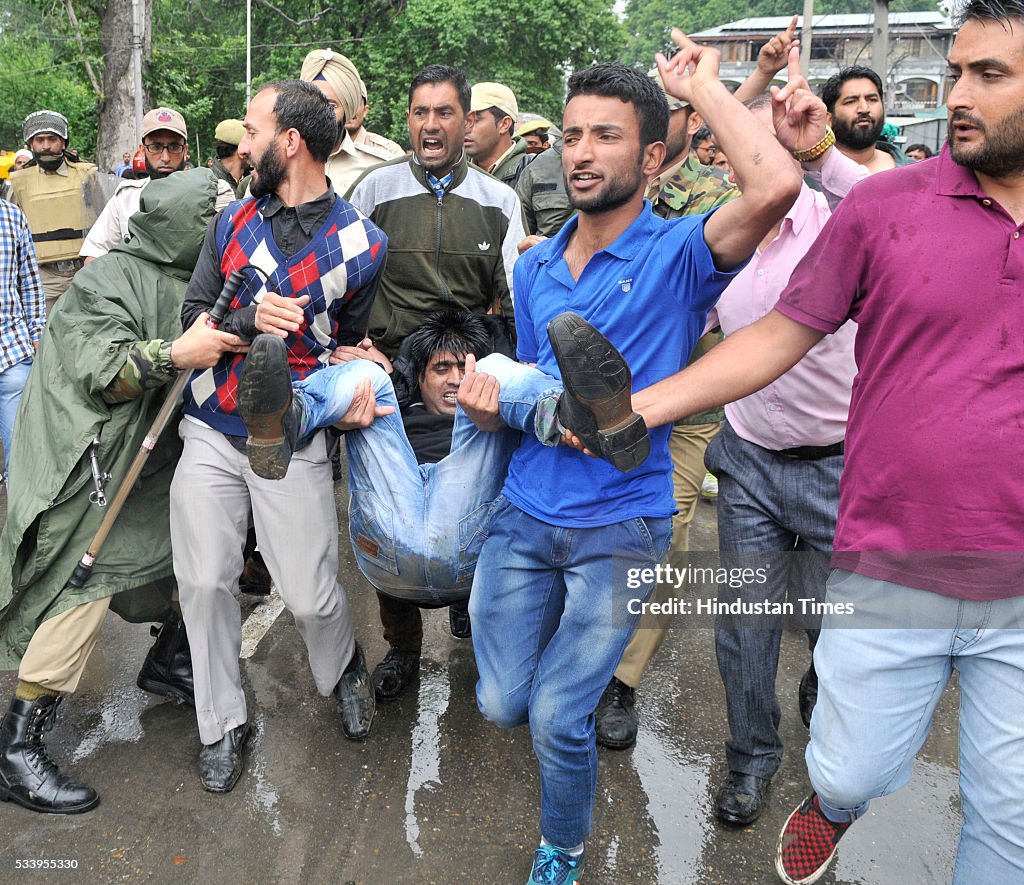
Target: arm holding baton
x,y
196,354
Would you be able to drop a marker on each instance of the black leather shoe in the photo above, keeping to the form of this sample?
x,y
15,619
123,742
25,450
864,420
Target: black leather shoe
x,y
221,764
265,403
255,579
167,670
807,695
740,798
391,677
355,698
616,716
458,620
27,774
596,404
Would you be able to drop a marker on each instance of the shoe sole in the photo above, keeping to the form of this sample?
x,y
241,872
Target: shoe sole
x,y
780,870
264,396
165,690
8,795
610,744
598,378
230,785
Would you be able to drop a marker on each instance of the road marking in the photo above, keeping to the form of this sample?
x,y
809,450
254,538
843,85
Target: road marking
x,y
259,622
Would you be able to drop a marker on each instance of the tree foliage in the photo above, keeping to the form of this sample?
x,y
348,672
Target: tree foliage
x,y
198,53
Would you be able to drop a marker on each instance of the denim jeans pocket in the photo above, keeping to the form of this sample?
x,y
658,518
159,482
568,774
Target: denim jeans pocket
x,y
473,531
371,527
654,535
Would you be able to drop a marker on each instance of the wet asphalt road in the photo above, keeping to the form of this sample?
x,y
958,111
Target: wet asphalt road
x,y
437,795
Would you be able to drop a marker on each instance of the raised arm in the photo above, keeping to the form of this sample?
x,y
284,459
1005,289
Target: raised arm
x,y
769,177
770,60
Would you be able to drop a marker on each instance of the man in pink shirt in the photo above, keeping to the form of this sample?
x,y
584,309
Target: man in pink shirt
x,y
778,460
928,576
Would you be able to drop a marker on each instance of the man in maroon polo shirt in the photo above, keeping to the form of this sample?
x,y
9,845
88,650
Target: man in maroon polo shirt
x,y
928,576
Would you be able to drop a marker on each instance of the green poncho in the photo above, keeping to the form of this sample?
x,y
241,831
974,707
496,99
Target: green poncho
x,y
132,294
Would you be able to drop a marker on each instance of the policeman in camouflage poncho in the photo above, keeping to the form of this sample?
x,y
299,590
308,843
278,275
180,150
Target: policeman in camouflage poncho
x,y
107,355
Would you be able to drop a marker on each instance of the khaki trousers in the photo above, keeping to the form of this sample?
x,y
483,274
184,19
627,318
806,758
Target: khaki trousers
x,y
59,649
687,446
55,283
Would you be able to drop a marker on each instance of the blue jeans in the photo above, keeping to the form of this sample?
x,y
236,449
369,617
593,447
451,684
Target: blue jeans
x,y
775,512
877,692
549,628
417,529
12,382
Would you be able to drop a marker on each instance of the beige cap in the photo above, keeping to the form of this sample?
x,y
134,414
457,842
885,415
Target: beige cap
x,y
164,118
494,95
230,132
674,104
339,73
533,126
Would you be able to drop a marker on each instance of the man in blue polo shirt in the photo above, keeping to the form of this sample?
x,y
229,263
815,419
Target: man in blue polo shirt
x,y
549,617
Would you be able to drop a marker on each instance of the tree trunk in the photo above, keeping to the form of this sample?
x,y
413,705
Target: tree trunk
x,y
117,107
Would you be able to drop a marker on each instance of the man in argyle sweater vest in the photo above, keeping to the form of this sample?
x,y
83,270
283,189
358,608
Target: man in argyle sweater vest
x,y
310,264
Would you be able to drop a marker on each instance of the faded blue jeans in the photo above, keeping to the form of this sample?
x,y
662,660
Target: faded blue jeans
x,y
550,623
417,529
877,692
12,382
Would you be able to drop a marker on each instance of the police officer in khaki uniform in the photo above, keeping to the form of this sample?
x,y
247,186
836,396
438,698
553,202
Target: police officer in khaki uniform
x,y
337,78
371,142
51,194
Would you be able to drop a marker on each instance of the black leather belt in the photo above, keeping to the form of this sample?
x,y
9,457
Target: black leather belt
x,y
812,453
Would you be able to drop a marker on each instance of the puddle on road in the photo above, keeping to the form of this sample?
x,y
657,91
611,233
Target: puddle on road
x,y
261,797
425,765
120,723
676,787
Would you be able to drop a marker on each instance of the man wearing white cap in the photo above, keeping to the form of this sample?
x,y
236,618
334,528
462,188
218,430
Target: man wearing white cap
x,y
337,78
165,143
489,144
50,193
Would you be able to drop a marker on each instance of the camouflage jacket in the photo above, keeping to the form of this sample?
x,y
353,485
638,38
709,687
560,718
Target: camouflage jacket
x,y
690,189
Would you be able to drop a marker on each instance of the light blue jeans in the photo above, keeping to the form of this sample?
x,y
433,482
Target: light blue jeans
x,y
550,622
12,382
877,692
417,529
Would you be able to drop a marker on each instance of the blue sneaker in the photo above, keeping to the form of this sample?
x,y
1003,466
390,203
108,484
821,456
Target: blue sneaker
x,y
555,867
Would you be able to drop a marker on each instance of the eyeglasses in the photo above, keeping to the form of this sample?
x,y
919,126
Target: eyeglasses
x,y
155,148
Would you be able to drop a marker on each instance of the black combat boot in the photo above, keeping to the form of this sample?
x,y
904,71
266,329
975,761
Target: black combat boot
x,y
27,774
167,670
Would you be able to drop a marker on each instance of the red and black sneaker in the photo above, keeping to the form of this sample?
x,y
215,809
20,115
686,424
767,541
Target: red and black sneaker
x,y
807,843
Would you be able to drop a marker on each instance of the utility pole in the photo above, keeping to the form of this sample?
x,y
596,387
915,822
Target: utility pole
x,y
805,39
880,43
137,65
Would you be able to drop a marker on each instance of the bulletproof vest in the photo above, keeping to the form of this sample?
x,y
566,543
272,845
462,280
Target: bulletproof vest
x,y
54,206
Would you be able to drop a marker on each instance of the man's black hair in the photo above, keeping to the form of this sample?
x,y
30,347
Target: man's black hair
x,y
225,150
444,74
831,88
702,134
614,80
301,106
927,151
453,331
999,11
